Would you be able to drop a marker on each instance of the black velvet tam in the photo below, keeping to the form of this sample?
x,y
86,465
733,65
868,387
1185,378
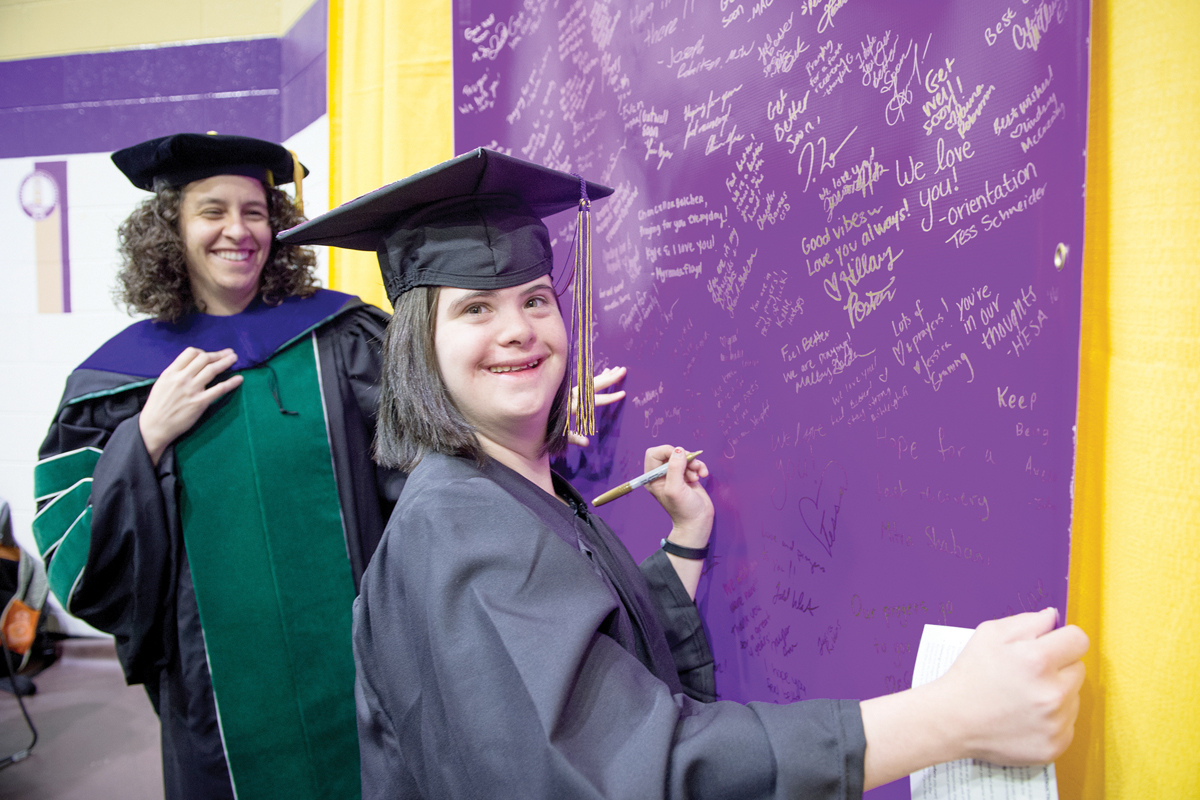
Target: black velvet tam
x,y
473,222
181,158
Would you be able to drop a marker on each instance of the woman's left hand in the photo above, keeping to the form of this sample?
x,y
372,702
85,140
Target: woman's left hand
x,y
682,495
603,380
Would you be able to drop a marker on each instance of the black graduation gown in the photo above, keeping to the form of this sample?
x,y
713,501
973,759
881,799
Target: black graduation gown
x,y
137,584
507,645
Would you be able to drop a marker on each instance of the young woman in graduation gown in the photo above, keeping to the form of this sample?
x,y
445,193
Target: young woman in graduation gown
x,y
506,643
206,490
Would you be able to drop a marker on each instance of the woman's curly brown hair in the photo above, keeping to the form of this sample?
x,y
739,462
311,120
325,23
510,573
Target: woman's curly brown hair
x,y
154,278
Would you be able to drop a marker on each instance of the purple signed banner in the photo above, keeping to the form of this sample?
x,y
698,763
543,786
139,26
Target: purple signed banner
x,y
843,258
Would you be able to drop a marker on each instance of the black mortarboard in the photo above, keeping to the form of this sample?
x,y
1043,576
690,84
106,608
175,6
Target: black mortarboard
x,y
181,158
473,222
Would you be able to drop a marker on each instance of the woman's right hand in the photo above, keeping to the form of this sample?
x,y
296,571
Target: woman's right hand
x,y
181,394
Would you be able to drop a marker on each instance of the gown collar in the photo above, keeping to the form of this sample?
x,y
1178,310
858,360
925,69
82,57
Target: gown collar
x,y
146,348
643,636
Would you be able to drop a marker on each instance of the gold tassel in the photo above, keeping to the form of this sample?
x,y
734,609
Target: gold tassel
x,y
585,422
298,178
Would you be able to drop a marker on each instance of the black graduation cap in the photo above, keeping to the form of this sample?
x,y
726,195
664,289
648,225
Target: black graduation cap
x,y
473,222
181,158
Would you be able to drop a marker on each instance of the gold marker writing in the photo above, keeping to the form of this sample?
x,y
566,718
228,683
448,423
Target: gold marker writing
x,y
640,480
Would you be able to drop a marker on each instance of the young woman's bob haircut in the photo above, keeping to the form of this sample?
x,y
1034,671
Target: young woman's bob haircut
x,y
416,414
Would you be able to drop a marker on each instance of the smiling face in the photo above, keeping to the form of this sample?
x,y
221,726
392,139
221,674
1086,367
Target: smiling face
x,y
502,355
227,236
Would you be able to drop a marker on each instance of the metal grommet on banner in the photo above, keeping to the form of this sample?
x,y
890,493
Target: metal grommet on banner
x,y
1060,256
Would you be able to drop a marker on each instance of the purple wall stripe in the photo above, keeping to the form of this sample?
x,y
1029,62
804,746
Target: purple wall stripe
x,y
108,128
104,101
303,99
99,102
304,43
58,170
303,70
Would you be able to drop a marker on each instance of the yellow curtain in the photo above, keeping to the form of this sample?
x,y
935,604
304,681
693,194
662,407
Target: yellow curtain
x,y
390,110
1135,573
1135,560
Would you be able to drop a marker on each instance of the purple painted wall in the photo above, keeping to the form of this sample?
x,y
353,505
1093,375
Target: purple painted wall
x,y
98,102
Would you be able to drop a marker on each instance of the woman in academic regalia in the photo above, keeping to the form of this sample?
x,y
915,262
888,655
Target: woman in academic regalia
x,y
506,643
206,492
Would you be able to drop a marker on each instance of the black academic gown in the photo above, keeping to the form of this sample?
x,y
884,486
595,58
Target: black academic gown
x,y
136,583
507,646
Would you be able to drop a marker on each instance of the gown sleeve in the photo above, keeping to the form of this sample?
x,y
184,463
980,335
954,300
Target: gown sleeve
x,y
351,357
114,561
482,672
684,629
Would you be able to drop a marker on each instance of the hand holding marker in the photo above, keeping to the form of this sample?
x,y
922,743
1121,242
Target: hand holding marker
x,y
641,480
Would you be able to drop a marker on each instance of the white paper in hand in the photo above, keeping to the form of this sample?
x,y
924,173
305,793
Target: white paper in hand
x,y
969,779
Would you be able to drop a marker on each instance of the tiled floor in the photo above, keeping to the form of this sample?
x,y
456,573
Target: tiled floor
x,y
97,737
